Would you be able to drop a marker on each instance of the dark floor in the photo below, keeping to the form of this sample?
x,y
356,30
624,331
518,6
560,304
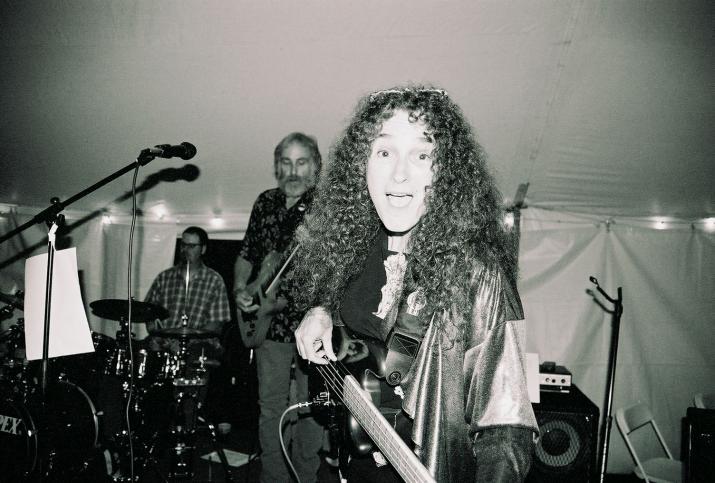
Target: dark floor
x,y
240,440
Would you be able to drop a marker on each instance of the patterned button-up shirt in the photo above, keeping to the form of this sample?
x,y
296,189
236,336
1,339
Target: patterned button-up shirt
x,y
207,299
271,227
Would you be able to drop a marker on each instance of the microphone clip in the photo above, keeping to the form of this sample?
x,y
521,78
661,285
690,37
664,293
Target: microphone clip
x,y
184,151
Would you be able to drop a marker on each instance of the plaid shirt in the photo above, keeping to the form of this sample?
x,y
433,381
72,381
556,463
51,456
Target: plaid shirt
x,y
271,227
207,300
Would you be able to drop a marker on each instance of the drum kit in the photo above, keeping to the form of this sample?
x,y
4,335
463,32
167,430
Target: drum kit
x,y
110,405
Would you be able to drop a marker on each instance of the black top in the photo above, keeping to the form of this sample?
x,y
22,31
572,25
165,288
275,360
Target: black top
x,y
362,295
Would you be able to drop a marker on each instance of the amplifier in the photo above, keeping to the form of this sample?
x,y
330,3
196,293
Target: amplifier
x,y
700,447
566,450
554,378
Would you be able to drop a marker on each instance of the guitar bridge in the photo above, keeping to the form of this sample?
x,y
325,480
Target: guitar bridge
x,y
323,399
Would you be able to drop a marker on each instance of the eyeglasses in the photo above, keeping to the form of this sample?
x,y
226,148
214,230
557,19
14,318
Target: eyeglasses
x,y
190,245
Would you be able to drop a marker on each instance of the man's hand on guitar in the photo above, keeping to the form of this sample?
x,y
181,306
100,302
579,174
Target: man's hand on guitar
x,y
244,301
270,304
313,337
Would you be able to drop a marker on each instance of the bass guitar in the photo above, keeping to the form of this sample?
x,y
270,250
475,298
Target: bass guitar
x,y
367,424
253,326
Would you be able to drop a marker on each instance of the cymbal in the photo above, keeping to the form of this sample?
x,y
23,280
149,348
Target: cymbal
x,y
187,332
16,302
117,309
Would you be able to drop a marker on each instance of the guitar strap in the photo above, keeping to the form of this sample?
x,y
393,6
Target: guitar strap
x,y
406,335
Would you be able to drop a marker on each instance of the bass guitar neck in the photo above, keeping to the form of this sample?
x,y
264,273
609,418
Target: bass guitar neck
x,y
383,434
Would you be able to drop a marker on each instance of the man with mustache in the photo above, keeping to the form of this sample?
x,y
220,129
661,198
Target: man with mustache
x,y
266,246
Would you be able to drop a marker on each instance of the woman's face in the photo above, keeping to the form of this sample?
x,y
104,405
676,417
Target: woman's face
x,y
399,172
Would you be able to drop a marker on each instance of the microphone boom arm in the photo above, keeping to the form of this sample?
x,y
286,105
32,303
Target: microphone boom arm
x,y
49,214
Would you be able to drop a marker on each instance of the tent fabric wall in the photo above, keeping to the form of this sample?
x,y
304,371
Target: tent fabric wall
x,y
102,257
666,349
666,352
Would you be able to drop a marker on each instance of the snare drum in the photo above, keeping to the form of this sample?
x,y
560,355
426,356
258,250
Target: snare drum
x,y
70,432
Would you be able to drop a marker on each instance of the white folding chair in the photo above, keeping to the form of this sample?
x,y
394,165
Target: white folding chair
x,y
634,419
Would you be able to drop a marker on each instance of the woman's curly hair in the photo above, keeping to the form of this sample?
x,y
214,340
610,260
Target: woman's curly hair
x,y
461,230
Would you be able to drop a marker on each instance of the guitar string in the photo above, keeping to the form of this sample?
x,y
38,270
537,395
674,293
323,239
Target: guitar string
x,y
333,382
330,374
338,372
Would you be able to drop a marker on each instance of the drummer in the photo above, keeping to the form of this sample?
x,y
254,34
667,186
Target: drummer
x,y
194,294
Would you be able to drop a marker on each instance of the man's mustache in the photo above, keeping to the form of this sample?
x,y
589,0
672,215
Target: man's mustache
x,y
292,177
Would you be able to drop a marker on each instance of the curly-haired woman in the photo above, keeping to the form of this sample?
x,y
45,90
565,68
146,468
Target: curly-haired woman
x,y
406,240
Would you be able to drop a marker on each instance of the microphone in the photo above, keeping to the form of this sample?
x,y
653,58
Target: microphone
x,y
184,151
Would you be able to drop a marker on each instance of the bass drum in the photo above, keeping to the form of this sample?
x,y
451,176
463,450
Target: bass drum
x,y
67,432
18,440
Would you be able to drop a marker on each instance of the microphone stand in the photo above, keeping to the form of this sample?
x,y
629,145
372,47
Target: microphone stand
x,y
605,431
52,217
51,236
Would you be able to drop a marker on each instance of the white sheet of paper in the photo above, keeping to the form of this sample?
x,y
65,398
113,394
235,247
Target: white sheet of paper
x,y
234,458
532,377
69,329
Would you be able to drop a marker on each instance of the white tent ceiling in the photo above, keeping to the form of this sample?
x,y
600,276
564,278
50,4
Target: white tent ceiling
x,y
602,106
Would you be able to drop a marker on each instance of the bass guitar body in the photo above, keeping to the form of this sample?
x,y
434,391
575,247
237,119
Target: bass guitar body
x,y
370,373
374,419
253,326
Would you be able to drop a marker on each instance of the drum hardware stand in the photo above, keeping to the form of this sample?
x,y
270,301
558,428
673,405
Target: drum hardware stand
x,y
183,346
183,438
147,458
181,459
605,430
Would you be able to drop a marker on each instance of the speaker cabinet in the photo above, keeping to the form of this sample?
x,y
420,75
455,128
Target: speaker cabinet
x,y
567,446
700,447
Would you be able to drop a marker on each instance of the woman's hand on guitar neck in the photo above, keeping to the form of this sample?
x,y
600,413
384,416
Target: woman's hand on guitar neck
x,y
313,337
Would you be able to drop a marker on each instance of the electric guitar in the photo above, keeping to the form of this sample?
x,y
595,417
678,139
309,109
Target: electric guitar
x,y
367,424
253,326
